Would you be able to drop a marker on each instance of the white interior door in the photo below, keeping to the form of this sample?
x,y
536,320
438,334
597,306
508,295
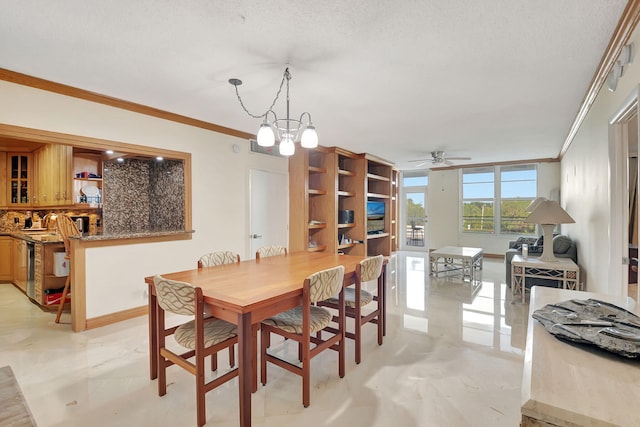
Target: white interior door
x,y
269,209
414,221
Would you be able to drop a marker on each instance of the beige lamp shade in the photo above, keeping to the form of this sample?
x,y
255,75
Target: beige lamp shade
x,y
535,204
549,212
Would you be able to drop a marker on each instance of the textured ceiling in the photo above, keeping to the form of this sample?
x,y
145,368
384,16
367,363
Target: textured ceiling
x,y
496,80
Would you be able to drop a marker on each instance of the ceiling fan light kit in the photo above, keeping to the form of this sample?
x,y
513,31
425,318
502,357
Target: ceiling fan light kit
x,y
288,130
438,157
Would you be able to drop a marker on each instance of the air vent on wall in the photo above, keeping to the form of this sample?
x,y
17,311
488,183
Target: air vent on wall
x,y
270,151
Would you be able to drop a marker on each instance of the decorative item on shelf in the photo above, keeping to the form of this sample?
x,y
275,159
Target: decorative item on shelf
x,y
547,214
288,130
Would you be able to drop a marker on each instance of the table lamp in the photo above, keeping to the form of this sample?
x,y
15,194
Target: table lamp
x,y
547,214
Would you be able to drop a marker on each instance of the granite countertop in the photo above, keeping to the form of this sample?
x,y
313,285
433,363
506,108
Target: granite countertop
x,y
132,235
43,236
52,237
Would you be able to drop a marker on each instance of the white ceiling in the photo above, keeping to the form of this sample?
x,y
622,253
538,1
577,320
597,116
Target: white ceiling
x,y
497,80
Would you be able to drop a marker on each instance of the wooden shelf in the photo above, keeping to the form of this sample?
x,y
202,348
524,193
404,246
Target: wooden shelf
x,y
311,226
315,169
348,245
377,196
346,172
378,177
88,179
315,192
351,225
346,193
318,248
377,236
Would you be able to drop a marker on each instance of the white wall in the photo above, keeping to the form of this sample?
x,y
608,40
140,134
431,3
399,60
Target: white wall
x,y
219,185
444,210
585,183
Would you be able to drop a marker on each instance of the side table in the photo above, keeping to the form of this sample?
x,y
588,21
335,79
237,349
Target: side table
x,y
565,271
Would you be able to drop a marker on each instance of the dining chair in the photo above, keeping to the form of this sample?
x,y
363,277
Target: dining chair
x,y
213,259
218,258
355,298
66,228
202,336
302,322
273,250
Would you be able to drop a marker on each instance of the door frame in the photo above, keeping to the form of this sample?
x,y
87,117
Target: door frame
x,y
403,216
250,254
619,193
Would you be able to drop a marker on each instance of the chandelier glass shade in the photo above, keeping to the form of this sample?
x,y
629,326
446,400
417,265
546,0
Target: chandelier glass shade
x,y
287,131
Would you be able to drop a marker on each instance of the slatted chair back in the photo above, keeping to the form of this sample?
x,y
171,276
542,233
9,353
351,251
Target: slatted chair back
x,y
176,297
323,284
273,250
218,258
66,228
370,268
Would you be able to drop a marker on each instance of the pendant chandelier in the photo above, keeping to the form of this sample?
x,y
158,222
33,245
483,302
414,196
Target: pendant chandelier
x,y
288,130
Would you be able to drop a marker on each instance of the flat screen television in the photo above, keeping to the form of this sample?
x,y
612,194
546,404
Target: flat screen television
x,y
375,217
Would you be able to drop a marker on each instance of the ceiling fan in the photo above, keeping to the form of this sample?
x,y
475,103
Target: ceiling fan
x,y
438,158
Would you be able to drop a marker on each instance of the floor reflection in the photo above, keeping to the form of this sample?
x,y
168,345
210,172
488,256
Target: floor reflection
x,y
478,313
452,356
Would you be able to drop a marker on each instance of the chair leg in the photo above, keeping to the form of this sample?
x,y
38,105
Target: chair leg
x,y
357,325
65,291
200,392
162,376
232,356
306,372
214,362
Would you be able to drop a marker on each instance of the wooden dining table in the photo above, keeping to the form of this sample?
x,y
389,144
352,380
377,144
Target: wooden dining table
x,y
247,293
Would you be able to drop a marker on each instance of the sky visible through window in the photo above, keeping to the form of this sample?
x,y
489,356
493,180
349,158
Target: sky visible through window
x,y
517,183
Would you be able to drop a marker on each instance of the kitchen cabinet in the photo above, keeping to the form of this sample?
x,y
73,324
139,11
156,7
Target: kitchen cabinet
x,y
53,166
19,179
6,260
3,180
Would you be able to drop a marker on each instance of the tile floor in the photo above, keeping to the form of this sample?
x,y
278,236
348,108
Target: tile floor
x,y
451,357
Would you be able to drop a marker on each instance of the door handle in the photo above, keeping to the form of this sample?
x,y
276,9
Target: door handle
x,y
255,236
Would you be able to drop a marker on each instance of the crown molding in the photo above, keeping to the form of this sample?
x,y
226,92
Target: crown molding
x,y
621,35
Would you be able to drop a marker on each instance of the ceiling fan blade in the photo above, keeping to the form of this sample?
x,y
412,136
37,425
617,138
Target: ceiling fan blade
x,y
420,164
458,158
419,160
448,162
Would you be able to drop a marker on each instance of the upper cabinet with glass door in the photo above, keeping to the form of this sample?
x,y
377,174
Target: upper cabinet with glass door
x,y
19,179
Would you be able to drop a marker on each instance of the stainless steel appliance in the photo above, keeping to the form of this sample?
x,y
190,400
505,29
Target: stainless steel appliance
x,y
31,255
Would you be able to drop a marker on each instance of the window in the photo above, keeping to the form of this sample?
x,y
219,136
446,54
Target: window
x,y
478,189
518,190
509,188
